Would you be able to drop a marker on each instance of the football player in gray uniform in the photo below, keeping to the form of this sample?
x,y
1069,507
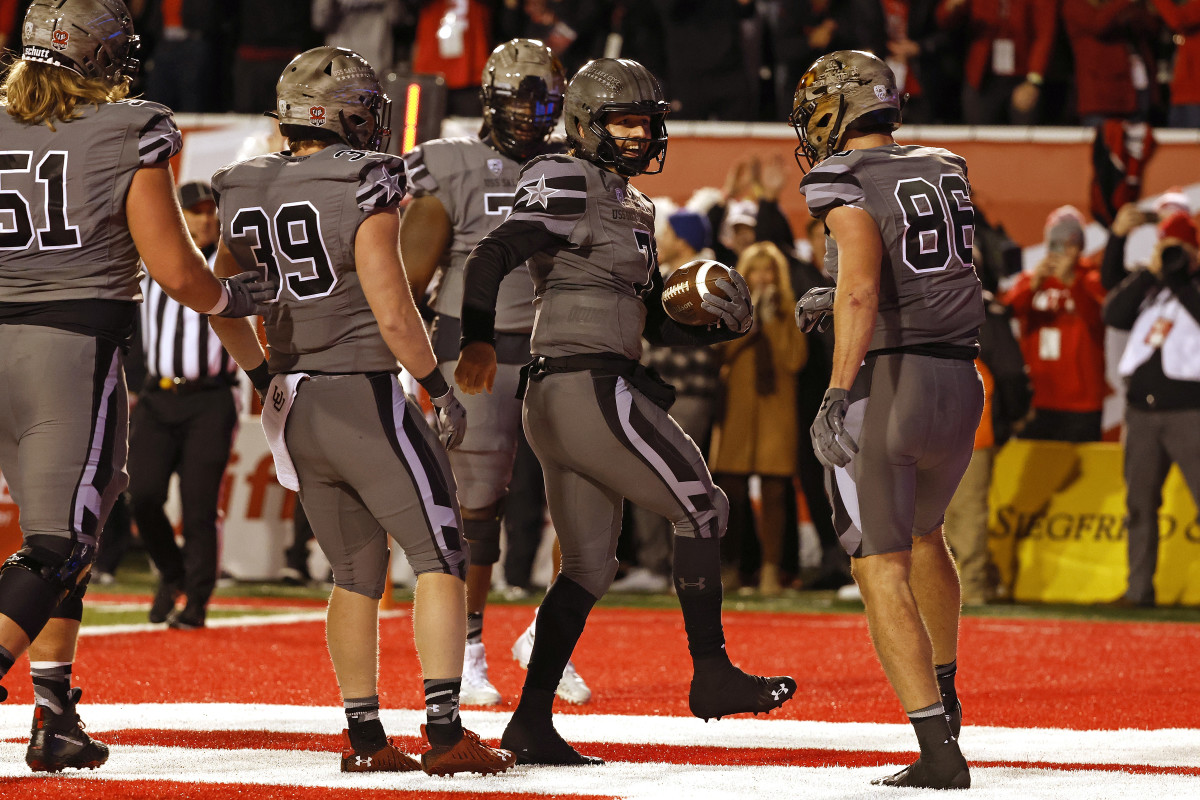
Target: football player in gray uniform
x,y
323,218
462,189
899,418
595,417
86,189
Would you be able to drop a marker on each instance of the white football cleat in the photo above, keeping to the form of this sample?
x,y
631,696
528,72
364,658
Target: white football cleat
x,y
476,689
571,687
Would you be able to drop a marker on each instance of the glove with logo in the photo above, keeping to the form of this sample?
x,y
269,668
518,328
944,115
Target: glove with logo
x,y
814,309
738,311
246,295
452,417
834,447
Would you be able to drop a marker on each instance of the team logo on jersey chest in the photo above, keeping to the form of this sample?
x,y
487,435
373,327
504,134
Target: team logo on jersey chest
x,y
59,39
619,193
316,115
495,165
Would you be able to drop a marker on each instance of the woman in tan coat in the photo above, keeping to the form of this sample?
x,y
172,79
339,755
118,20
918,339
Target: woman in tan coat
x,y
756,433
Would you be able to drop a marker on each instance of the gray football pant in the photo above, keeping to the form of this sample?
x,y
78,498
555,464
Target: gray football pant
x,y
600,440
64,428
914,419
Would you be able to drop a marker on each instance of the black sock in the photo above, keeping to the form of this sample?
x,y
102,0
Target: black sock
x,y
7,660
697,575
51,685
560,621
366,731
945,679
442,723
933,732
474,627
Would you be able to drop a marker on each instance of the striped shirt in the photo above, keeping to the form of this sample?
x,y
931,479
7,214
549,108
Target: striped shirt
x,y
179,342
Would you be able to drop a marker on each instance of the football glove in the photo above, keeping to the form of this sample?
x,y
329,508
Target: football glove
x,y
834,447
738,311
452,419
248,295
814,309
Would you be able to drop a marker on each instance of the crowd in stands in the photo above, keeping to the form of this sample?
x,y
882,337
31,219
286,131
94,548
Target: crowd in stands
x,y
980,62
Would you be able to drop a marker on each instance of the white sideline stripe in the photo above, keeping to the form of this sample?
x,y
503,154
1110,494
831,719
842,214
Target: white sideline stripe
x,y
648,781
1170,747
262,617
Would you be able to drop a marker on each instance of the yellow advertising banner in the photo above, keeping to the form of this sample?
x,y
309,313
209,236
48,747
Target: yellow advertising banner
x,y
1057,526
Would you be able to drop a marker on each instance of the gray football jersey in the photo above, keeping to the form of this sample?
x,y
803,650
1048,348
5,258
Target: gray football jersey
x,y
921,200
588,291
475,184
63,230
296,218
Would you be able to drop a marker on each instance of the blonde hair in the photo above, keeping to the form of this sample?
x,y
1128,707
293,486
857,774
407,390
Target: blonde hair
x,y
766,253
35,93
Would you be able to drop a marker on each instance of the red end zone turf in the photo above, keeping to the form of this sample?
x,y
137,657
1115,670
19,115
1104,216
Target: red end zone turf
x,y
1012,673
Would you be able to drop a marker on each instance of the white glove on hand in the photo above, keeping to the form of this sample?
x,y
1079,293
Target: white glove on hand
x,y
452,419
833,446
814,309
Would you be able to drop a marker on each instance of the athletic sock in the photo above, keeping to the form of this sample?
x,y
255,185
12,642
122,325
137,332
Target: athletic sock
x,y
442,723
560,622
7,660
696,570
945,679
51,685
933,732
366,731
474,627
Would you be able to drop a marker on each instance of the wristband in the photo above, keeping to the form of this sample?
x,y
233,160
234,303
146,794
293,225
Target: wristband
x,y
260,377
221,303
435,384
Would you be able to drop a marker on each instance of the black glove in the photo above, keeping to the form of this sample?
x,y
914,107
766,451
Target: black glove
x,y
814,309
833,446
452,417
737,312
248,295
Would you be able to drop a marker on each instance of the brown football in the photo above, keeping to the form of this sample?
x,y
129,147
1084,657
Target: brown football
x,y
685,287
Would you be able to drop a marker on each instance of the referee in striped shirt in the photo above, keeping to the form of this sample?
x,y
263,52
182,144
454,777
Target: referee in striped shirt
x,y
183,423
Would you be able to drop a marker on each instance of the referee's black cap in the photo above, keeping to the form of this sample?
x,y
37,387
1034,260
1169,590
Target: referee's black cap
x,y
193,193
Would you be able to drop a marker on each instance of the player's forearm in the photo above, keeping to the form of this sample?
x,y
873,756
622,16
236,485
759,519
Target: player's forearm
x,y
406,337
854,311
238,337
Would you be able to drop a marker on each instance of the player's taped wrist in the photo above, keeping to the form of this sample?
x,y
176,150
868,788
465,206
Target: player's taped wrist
x,y
435,385
260,378
222,302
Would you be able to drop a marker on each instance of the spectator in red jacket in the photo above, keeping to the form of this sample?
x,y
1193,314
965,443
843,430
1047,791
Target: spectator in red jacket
x,y
1113,61
1183,18
1008,50
1058,307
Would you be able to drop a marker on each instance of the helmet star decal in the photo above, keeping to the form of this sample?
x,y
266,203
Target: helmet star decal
x,y
539,193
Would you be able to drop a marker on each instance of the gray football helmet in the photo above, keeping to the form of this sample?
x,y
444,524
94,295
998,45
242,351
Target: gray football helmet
x,y
92,38
334,89
522,92
607,85
838,90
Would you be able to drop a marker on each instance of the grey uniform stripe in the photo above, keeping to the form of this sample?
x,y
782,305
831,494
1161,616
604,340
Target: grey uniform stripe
x,y
97,469
411,447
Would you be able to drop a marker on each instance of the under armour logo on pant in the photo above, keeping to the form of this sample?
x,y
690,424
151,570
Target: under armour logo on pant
x,y
698,584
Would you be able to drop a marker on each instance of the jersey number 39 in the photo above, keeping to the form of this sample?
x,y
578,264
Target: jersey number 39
x,y
294,233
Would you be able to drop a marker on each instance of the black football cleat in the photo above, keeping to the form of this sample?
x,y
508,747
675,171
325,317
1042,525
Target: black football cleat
x,y
164,601
58,741
3,694
541,744
723,690
954,718
946,769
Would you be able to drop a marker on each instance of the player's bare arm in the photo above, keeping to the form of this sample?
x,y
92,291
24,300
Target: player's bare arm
x,y
236,334
171,258
385,286
860,254
424,236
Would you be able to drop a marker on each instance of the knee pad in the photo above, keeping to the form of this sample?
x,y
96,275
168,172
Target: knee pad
x,y
481,529
38,578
